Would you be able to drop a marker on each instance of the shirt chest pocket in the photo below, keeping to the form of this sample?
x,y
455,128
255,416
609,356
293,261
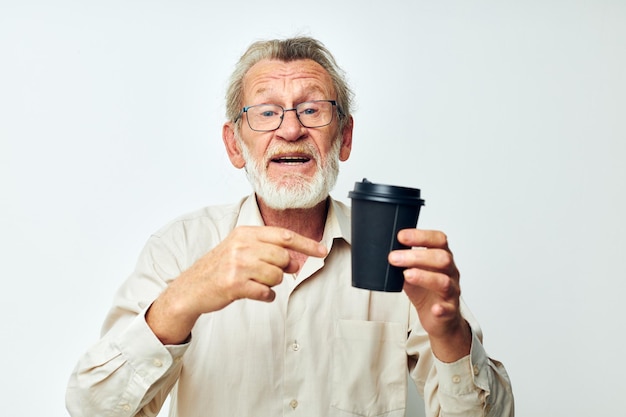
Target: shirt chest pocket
x,y
369,369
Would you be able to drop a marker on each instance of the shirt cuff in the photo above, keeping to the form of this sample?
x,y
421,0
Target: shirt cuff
x,y
144,351
467,375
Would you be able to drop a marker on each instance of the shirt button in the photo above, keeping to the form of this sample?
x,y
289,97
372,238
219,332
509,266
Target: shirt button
x,y
295,346
157,362
456,379
126,407
476,370
293,404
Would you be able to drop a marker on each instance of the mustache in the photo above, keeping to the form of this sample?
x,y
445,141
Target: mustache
x,y
305,148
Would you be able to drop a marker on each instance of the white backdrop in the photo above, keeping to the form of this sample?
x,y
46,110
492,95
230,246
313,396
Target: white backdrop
x,y
509,115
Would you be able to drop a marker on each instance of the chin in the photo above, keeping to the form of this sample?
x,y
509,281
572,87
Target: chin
x,y
291,201
302,195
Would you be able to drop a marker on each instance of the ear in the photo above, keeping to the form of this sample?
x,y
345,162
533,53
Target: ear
x,y
346,138
232,145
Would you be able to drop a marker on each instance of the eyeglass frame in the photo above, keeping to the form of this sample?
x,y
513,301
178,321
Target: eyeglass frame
x,y
282,116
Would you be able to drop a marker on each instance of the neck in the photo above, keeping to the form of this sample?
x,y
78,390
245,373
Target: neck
x,y
306,222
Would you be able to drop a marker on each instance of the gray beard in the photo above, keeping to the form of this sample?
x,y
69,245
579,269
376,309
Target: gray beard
x,y
296,191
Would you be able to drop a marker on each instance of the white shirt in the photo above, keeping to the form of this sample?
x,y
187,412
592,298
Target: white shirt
x,y
322,348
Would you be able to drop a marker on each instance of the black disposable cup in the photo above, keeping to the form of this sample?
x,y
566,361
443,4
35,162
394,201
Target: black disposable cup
x,y
378,213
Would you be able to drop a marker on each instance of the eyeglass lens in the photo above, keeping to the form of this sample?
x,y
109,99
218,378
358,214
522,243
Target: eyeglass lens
x,y
267,117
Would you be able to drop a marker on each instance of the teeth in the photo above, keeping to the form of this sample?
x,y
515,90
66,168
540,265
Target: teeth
x,y
292,159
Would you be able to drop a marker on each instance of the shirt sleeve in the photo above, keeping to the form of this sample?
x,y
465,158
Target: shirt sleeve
x,y
129,372
475,385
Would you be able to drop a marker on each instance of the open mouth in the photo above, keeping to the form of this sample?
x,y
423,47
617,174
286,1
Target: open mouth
x,y
291,159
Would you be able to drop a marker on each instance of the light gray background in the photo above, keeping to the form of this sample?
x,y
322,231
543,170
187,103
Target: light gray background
x,y
509,115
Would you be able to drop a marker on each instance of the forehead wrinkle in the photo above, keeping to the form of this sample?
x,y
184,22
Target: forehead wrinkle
x,y
289,78
265,91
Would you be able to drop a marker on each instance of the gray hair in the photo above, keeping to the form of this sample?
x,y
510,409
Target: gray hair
x,y
287,50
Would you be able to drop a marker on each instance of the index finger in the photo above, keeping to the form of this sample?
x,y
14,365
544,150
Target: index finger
x,y
423,238
289,239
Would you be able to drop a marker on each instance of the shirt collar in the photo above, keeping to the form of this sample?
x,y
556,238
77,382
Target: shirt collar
x,y
249,214
338,221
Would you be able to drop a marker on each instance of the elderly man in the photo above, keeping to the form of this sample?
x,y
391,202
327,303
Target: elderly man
x,y
248,309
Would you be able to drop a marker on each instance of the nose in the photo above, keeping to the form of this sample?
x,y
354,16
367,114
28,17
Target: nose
x,y
290,128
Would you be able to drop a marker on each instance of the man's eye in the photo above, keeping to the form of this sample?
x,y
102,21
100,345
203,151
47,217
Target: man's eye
x,y
267,113
309,111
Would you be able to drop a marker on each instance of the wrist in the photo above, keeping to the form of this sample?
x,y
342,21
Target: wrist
x,y
455,344
171,325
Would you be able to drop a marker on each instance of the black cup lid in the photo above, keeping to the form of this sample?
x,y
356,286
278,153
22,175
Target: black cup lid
x,y
367,190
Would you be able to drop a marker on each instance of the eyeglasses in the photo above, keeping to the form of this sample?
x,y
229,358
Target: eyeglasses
x,y
268,117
